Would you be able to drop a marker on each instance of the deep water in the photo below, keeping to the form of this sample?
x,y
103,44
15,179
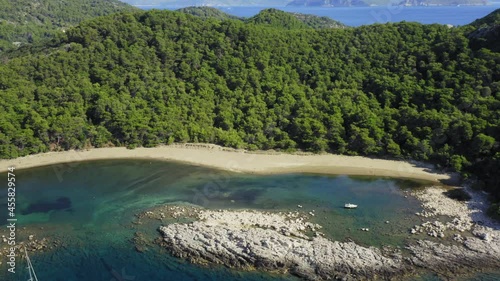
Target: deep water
x,y
89,209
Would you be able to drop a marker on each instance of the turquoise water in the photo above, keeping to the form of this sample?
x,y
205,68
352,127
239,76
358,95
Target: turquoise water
x,y
89,208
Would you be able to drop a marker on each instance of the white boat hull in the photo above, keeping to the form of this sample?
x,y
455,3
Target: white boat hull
x,y
350,206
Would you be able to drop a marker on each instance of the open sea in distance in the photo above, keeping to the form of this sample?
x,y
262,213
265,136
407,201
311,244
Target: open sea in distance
x,y
356,16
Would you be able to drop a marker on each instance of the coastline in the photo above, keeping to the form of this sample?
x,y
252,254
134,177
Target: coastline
x,y
290,242
461,238
259,162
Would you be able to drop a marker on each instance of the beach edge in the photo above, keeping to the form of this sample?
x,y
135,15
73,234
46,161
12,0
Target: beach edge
x,y
254,162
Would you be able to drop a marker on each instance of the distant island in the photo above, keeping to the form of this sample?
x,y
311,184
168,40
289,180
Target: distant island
x,y
209,3
306,3
443,2
349,3
328,3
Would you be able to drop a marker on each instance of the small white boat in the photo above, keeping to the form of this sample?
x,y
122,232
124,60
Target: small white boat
x,y
350,206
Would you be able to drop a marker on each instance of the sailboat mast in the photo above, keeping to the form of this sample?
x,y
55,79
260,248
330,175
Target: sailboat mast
x,y
28,262
31,270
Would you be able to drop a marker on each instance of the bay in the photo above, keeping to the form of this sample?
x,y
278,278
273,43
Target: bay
x,y
89,209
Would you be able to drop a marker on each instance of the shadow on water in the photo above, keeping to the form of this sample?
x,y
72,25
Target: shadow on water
x,y
247,196
458,194
61,203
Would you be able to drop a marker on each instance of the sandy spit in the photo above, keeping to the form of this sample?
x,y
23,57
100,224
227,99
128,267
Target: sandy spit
x,y
266,162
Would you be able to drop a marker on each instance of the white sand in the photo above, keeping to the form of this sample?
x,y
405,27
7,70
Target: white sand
x,y
239,161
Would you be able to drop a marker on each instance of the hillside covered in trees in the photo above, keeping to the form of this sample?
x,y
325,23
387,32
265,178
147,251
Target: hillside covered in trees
x,y
404,90
28,21
208,13
270,17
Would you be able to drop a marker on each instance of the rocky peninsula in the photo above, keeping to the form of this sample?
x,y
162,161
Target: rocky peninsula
x,y
283,242
470,242
462,239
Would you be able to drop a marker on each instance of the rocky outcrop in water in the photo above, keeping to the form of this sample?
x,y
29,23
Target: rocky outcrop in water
x,y
286,242
475,253
275,242
481,250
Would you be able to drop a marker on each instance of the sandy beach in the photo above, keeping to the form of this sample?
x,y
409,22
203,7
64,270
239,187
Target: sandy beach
x,y
214,156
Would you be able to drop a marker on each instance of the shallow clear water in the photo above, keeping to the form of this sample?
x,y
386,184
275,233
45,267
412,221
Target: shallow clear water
x,y
89,209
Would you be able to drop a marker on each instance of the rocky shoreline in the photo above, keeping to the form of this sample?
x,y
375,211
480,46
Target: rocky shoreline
x,y
476,237
32,244
463,240
279,242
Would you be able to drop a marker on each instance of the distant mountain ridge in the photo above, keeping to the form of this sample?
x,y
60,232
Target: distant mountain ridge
x,y
328,3
443,2
307,3
348,3
249,3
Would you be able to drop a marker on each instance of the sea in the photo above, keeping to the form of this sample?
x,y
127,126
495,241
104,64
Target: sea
x,y
357,16
87,211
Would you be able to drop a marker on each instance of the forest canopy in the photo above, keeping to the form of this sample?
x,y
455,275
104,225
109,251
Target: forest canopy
x,y
28,21
397,90
270,17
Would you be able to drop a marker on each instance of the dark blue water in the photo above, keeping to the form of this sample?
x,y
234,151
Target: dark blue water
x,y
89,210
356,16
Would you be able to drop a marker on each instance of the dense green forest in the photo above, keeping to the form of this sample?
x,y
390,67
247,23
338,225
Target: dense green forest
x,y
318,22
271,17
399,90
28,21
208,13
280,19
